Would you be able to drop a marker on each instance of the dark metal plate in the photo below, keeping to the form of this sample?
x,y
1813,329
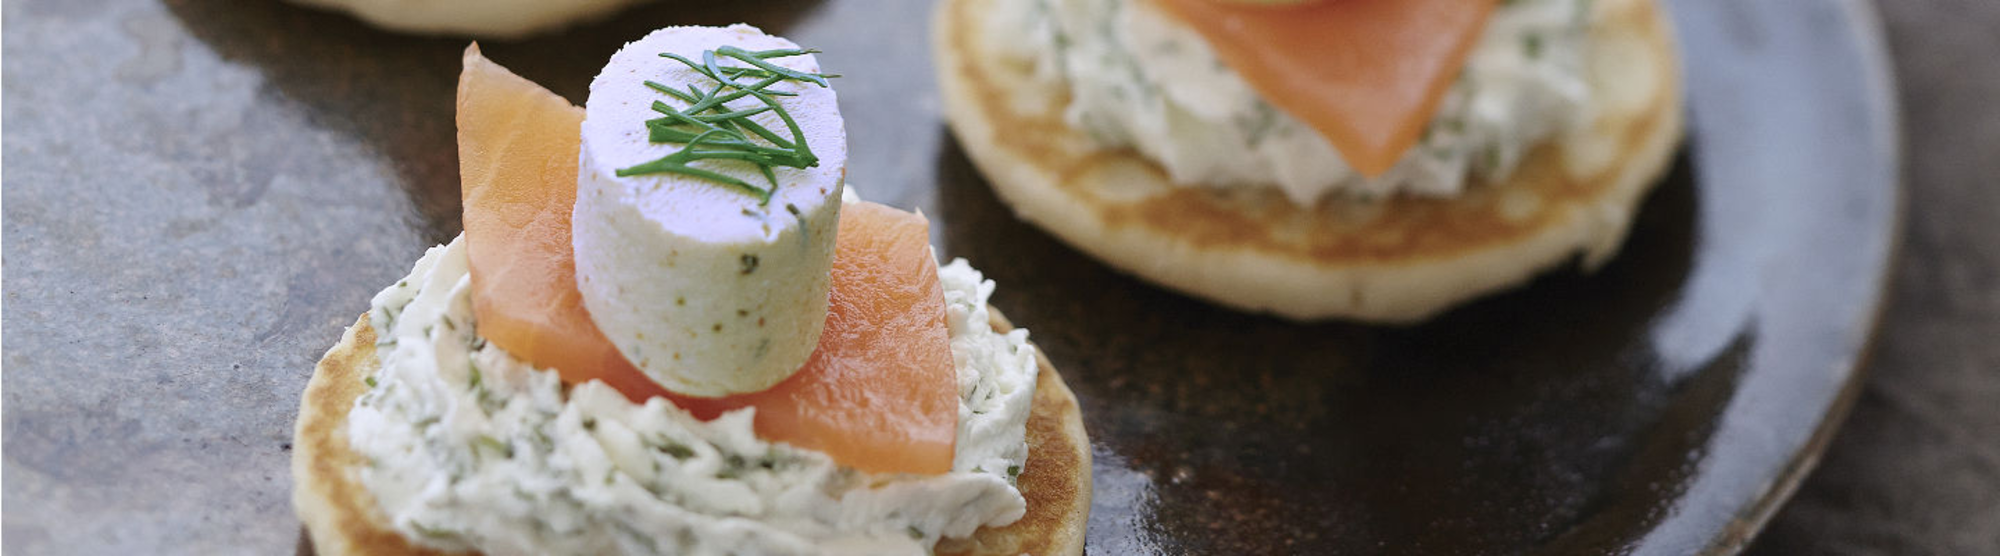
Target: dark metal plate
x,y
203,192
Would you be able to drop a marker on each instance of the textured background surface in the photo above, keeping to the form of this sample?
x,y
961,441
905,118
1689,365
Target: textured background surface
x,y
1917,470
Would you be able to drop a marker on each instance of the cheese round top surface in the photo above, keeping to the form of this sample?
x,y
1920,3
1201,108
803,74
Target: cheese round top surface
x,y
702,284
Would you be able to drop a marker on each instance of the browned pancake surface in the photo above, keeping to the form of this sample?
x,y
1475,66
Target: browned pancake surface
x,y
342,519
1398,259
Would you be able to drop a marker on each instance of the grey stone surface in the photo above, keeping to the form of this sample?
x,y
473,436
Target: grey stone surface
x,y
143,207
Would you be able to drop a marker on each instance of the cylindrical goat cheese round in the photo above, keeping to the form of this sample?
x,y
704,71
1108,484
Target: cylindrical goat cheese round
x,y
704,283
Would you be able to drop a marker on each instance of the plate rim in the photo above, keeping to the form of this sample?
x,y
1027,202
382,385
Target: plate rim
x,y
1877,79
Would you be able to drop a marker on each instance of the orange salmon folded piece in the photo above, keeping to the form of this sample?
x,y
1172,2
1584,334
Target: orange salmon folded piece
x,y
1367,74
517,157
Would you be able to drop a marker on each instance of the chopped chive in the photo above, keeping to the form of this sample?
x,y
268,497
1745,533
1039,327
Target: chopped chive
x,y
709,129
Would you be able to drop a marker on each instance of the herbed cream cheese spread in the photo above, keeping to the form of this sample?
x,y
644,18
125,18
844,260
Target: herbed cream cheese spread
x,y
1138,78
469,448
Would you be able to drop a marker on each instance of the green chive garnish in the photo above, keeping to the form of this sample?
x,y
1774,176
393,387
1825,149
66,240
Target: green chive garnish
x,y
709,129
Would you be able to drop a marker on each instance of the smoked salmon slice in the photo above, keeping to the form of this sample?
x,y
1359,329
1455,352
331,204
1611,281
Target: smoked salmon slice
x,y
517,157
1366,74
879,393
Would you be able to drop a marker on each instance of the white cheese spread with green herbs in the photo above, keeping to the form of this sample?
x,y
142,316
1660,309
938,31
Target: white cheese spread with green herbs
x,y
469,448
1140,78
